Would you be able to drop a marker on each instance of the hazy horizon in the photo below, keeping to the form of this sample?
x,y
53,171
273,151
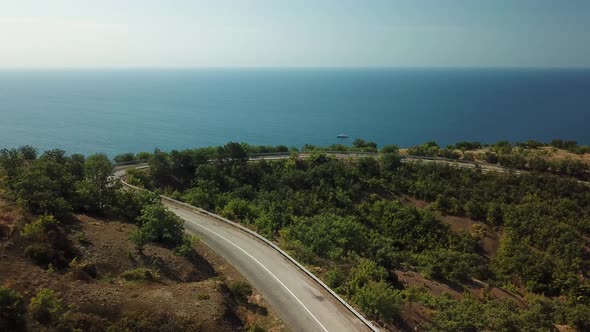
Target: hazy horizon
x,y
182,34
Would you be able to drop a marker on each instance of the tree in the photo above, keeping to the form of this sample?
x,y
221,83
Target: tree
x,y
391,161
45,307
12,310
45,187
11,164
161,225
159,163
131,203
390,148
360,143
97,190
139,238
235,151
379,299
124,157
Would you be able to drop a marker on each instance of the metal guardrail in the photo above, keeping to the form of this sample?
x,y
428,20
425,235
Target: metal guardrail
x,y
268,242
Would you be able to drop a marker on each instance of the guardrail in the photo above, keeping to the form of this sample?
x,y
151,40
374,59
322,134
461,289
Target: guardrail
x,y
268,242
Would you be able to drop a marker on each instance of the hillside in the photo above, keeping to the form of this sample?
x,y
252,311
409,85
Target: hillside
x,y
83,269
414,245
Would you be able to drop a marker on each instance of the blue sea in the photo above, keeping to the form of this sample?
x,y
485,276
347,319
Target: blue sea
x,y
114,111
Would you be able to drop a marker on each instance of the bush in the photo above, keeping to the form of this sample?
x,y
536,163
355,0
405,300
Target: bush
x,y
335,278
40,253
38,229
186,249
239,291
449,264
139,238
379,299
390,148
12,310
161,225
82,270
141,274
77,321
124,157
45,307
466,315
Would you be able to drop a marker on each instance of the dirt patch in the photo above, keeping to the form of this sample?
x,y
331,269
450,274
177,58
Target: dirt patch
x,y
489,243
413,202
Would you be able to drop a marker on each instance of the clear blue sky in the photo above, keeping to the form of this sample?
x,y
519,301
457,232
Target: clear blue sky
x,y
293,33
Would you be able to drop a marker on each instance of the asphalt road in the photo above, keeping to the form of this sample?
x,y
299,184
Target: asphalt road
x,y
300,302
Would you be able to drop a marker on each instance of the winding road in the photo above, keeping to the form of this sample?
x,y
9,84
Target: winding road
x,y
300,301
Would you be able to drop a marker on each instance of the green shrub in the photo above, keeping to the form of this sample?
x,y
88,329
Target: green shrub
x,y
335,278
78,322
38,229
82,270
12,310
449,264
186,249
40,253
161,225
45,307
141,274
139,238
466,315
379,299
239,291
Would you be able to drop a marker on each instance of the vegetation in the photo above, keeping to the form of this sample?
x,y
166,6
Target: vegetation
x,y
45,307
239,291
141,274
12,309
55,194
345,216
346,213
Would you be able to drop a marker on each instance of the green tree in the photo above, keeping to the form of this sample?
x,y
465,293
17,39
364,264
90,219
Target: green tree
x,y
97,190
12,310
45,187
161,225
124,157
379,299
234,151
45,307
391,161
390,148
139,239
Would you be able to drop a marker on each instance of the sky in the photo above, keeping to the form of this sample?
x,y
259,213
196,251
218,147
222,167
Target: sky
x,y
294,33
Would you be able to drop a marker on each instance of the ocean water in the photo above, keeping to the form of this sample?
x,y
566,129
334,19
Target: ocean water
x,y
110,111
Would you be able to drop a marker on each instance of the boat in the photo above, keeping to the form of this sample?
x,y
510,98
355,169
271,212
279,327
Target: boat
x,y
342,136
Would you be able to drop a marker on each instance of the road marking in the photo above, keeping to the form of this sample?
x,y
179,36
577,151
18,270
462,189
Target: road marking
x,y
264,267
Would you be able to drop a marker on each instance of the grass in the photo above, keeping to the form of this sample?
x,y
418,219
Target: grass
x,y
141,274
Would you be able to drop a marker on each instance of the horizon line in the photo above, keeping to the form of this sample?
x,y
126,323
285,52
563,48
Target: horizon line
x,y
73,68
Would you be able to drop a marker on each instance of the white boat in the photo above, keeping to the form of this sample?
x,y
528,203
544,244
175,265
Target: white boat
x,y
342,136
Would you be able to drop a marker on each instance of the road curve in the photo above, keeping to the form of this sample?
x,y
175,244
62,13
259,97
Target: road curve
x,y
300,302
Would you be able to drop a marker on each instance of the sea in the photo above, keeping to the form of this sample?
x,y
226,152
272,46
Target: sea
x,y
133,110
